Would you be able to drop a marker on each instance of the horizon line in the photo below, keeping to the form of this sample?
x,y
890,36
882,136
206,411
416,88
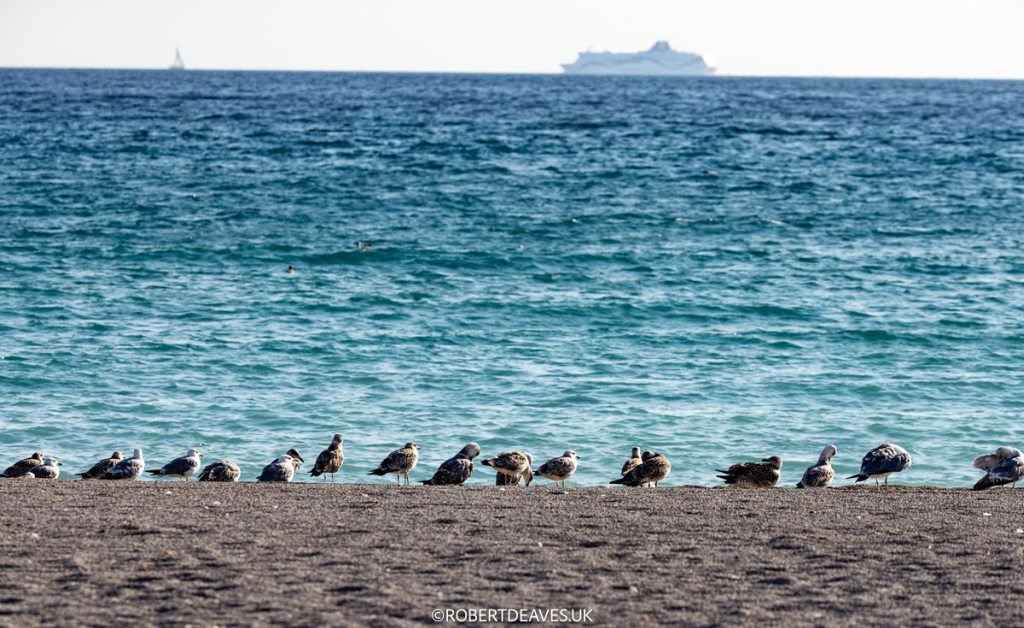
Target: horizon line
x,y
509,73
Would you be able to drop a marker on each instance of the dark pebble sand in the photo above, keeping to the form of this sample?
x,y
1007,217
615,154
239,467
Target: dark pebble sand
x,y
208,554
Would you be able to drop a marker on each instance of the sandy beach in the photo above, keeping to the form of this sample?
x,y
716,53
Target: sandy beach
x,y
206,554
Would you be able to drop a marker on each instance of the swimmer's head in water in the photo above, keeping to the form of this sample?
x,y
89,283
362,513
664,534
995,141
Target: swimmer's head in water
x,y
291,269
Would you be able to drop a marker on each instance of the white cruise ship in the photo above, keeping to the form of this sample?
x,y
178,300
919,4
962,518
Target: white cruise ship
x,y
660,60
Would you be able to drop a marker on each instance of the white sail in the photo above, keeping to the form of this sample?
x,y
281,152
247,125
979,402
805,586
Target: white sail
x,y
178,63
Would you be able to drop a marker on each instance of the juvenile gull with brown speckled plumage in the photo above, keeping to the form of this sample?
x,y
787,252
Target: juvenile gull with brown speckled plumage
x,y
634,461
820,474
330,459
764,474
654,468
559,469
221,471
400,462
97,470
514,464
23,466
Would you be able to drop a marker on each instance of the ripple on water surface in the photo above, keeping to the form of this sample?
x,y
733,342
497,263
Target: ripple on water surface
x,y
718,269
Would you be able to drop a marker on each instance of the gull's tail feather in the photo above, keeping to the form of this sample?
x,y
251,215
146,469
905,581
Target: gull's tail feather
x,y
983,484
860,477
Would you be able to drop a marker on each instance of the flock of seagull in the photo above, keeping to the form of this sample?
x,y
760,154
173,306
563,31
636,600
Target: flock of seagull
x,y
1004,466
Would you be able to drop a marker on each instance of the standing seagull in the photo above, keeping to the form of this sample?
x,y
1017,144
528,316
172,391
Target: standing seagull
x,y
49,470
183,467
400,462
329,460
23,466
634,461
654,468
1009,471
127,469
457,469
280,470
764,474
514,464
820,474
559,469
220,471
97,470
881,461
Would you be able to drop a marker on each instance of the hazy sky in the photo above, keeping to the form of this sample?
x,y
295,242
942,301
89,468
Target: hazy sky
x,y
918,38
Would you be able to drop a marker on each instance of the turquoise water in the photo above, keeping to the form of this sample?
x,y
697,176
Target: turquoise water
x,y
719,269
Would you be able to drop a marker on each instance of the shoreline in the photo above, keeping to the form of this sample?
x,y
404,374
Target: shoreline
x,y
208,553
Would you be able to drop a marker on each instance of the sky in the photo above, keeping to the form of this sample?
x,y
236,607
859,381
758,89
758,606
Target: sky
x,y
905,38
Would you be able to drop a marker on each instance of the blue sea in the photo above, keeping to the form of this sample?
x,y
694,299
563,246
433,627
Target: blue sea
x,y
720,269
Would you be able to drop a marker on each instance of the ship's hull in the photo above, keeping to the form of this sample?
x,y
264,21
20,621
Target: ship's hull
x,y
635,69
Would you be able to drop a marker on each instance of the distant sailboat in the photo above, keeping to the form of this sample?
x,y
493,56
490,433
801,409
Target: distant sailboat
x,y
178,63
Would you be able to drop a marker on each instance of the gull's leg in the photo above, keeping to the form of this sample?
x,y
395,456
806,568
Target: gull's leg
x,y
398,476
887,481
877,485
